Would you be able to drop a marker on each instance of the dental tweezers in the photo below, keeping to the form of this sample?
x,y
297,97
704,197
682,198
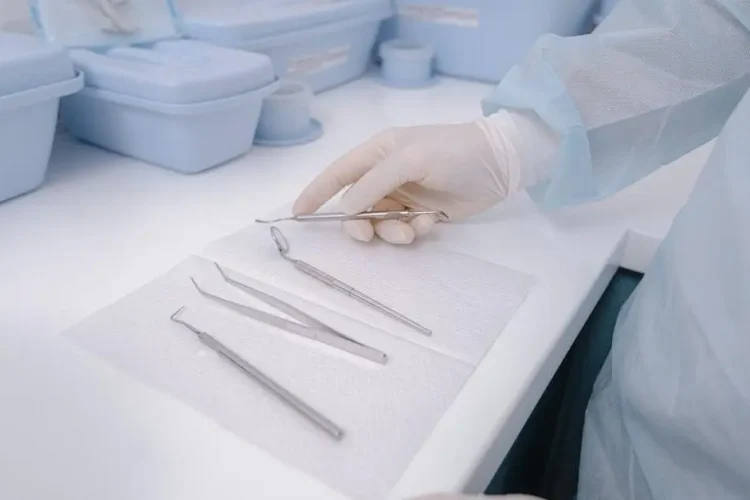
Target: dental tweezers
x,y
332,217
310,327
311,414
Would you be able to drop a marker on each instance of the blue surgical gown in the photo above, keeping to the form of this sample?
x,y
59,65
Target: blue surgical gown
x,y
669,415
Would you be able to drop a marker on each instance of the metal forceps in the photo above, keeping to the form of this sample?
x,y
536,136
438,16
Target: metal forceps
x,y
311,414
383,215
310,328
282,245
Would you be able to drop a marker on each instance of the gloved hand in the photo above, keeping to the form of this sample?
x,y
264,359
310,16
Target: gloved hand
x,y
108,14
461,169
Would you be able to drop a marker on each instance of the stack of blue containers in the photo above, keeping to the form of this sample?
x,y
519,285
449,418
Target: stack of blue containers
x,y
483,39
180,104
190,105
320,43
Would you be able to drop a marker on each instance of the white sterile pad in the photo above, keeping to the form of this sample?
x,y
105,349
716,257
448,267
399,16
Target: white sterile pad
x,y
465,301
387,411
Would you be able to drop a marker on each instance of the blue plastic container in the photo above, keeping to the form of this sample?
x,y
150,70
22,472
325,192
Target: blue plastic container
x,y
483,39
181,104
33,77
323,44
406,64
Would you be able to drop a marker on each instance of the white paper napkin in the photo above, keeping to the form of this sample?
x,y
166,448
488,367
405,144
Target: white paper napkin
x,y
465,301
387,411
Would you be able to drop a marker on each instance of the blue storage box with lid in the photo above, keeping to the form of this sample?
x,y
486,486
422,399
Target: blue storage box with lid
x,y
181,104
483,39
34,75
321,43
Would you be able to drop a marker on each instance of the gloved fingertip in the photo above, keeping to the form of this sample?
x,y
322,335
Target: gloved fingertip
x,y
308,201
375,185
360,230
395,232
349,206
301,207
422,224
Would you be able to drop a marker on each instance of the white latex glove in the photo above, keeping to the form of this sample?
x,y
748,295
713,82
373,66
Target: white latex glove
x,y
461,169
108,14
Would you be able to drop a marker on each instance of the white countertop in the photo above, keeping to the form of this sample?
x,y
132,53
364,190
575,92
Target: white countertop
x,y
72,427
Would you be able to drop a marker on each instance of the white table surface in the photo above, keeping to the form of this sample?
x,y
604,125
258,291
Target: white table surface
x,y
72,427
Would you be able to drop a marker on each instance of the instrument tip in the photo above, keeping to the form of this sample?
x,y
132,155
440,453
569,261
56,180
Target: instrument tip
x,y
177,313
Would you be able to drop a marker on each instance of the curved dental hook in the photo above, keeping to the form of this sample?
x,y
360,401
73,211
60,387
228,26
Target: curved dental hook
x,y
174,317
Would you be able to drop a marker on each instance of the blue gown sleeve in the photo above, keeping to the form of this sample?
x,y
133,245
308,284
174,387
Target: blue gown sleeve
x,y
655,80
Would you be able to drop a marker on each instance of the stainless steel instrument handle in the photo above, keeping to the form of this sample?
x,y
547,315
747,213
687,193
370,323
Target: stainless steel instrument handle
x,y
312,328
323,277
390,215
382,215
355,294
283,394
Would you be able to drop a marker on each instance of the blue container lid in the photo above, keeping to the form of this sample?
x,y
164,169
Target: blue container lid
x,y
82,23
227,23
27,62
175,71
402,49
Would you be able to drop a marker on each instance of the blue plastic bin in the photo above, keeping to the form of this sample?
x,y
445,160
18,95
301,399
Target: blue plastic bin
x,y
406,64
483,39
323,44
180,104
33,77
